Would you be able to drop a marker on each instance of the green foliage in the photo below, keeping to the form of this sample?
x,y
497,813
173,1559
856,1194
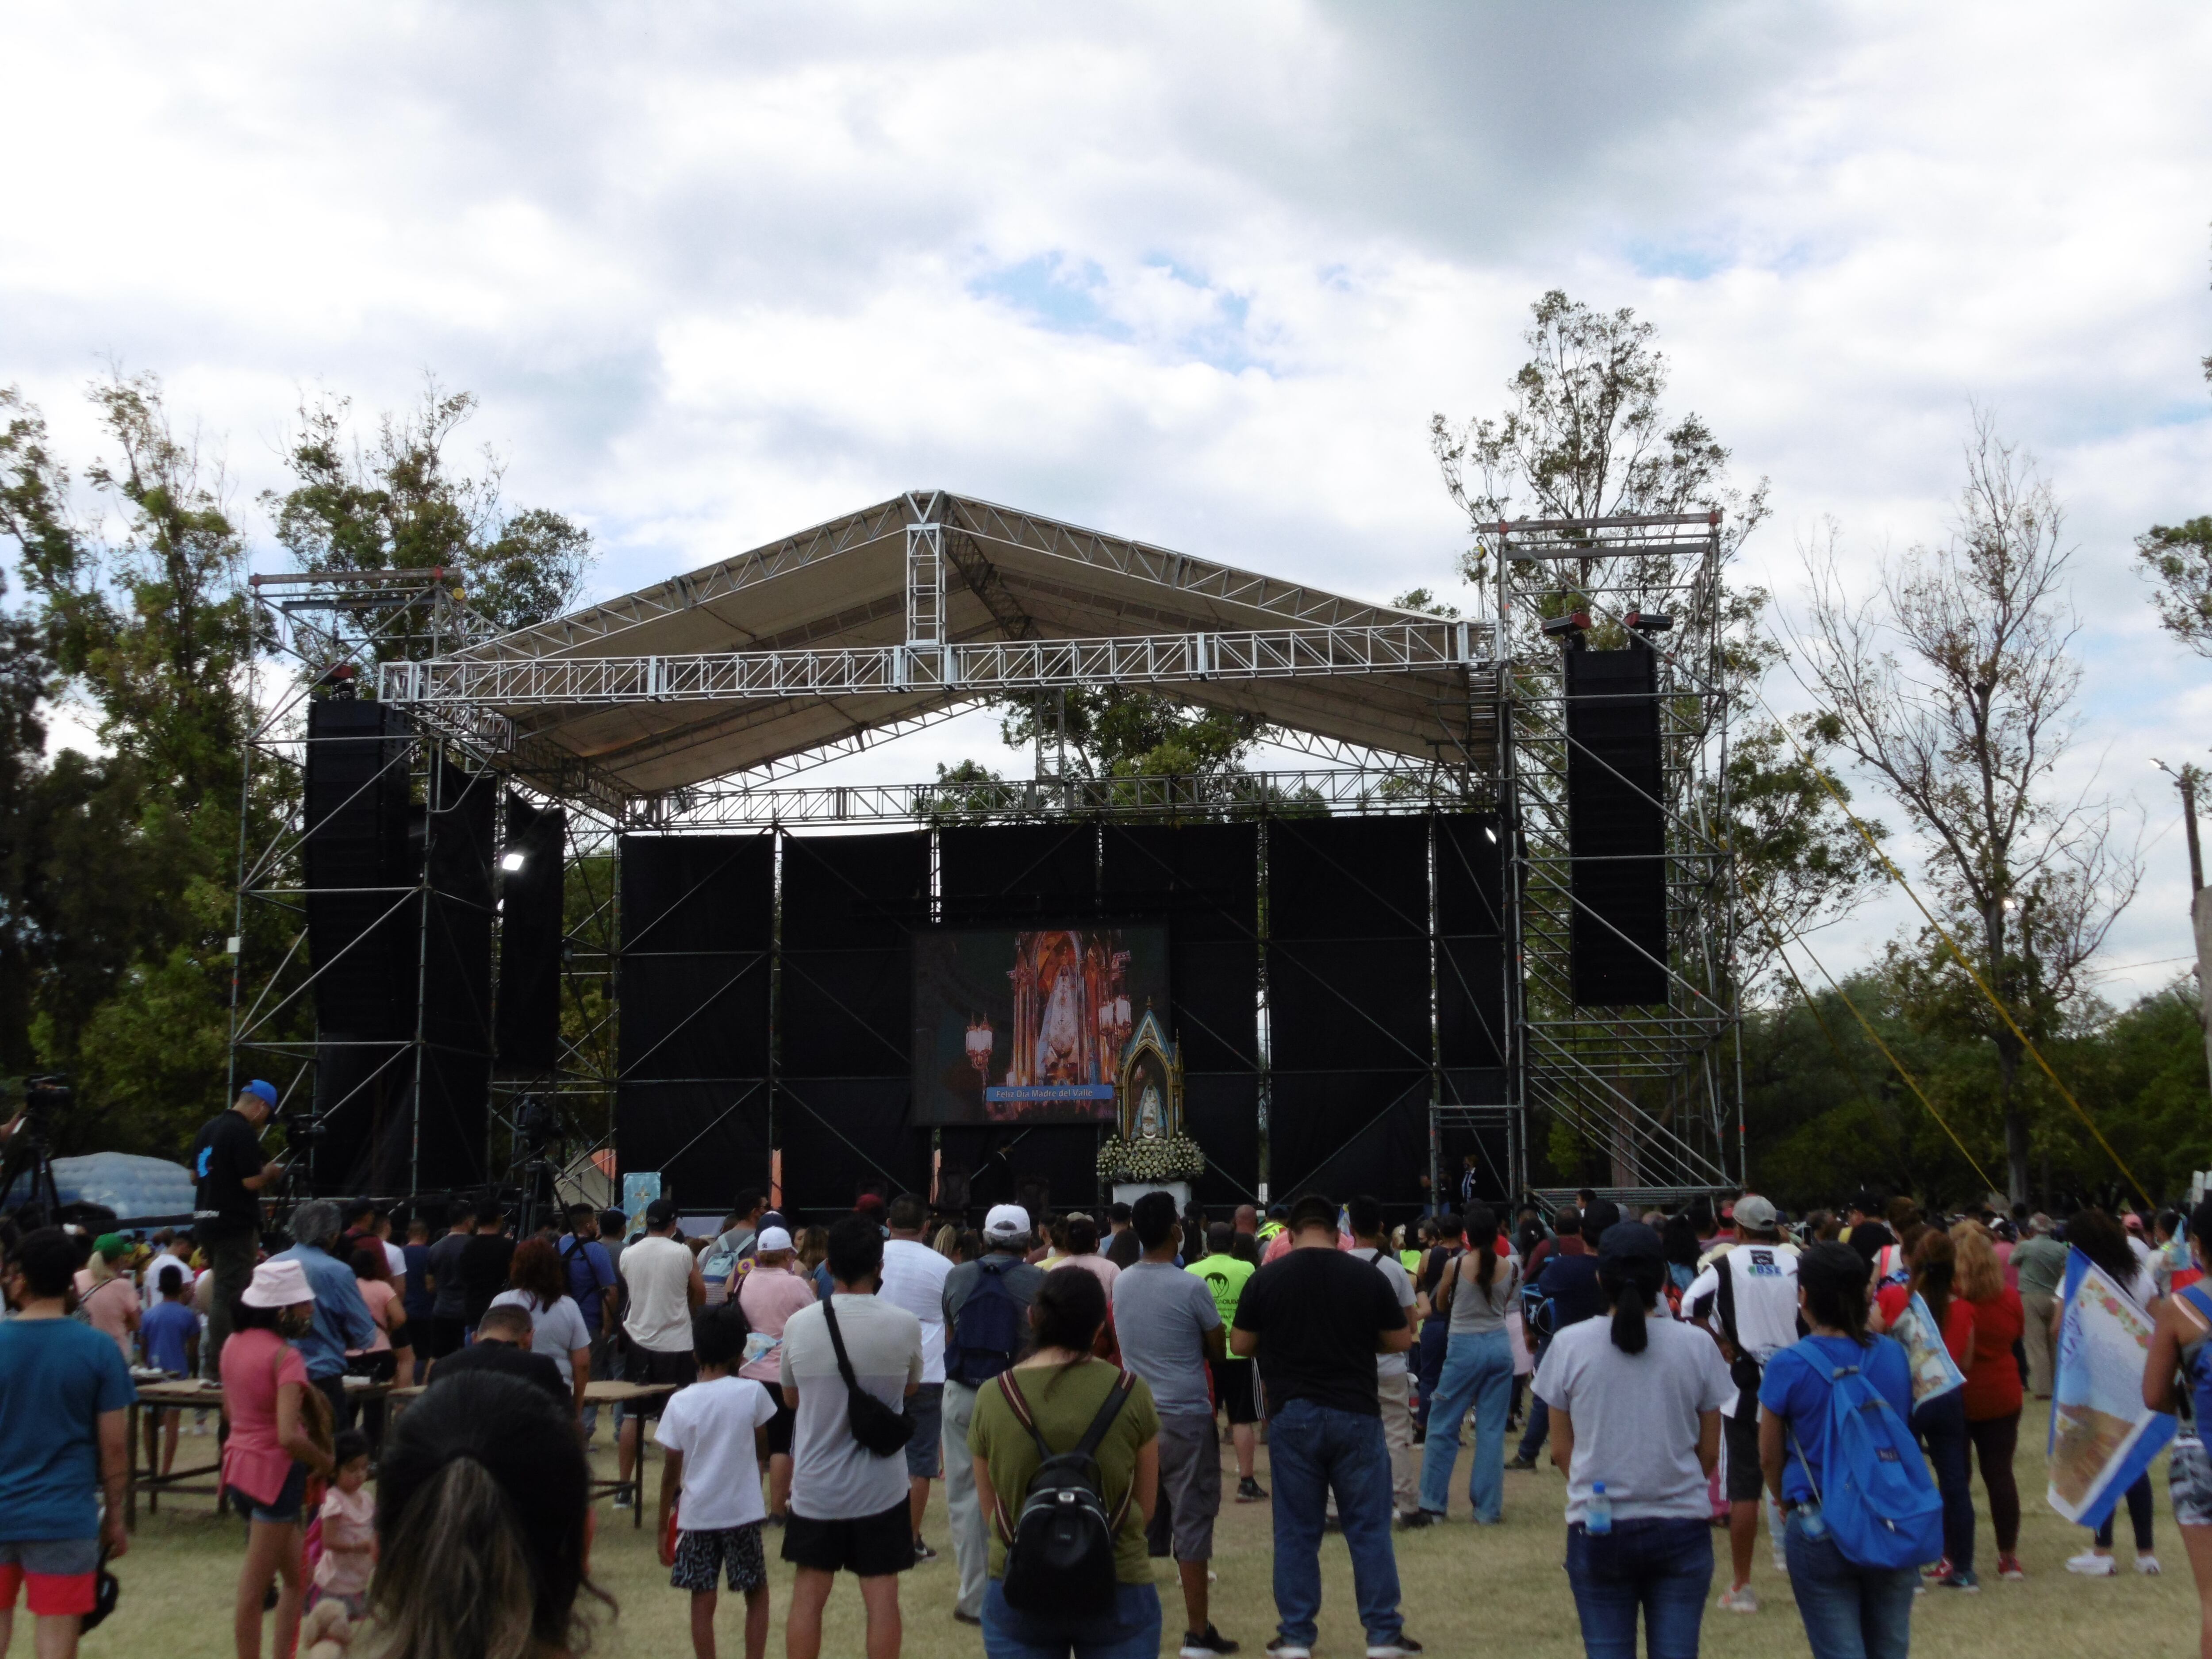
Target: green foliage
x,y
2179,559
1112,732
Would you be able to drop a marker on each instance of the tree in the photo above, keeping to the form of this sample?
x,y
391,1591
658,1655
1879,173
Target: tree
x,y
2178,558
398,504
1967,732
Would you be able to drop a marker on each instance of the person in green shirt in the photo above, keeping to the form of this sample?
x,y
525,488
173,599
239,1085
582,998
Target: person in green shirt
x,y
1063,1387
1225,1270
2040,1260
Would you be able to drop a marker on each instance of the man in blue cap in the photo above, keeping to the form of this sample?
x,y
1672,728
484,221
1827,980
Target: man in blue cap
x,y
227,1164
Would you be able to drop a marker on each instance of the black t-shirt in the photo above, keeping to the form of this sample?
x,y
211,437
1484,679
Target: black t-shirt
x,y
505,1360
484,1261
1318,1314
1570,1283
225,1151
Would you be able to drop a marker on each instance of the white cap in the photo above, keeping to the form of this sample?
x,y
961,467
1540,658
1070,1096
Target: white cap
x,y
1007,1221
277,1284
771,1238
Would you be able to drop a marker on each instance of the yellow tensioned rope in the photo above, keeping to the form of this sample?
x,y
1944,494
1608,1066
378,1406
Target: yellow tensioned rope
x,y
1972,973
1872,1035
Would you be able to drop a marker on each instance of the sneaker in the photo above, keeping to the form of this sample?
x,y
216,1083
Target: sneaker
x,y
922,1551
1413,1518
1518,1462
1742,1598
1283,1648
1249,1490
1781,1563
774,1521
960,1617
621,1500
2147,1565
2090,1565
1940,1567
1397,1647
2009,1566
1959,1578
1197,1644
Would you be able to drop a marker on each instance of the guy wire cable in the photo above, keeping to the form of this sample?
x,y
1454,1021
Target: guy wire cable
x,y
1980,984
1872,1035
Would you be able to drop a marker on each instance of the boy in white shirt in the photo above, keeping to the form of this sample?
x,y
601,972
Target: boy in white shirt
x,y
714,1436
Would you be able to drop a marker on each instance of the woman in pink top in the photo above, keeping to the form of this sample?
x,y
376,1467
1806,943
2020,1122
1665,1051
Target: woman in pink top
x,y
384,1358
109,1299
271,1450
1083,1252
769,1295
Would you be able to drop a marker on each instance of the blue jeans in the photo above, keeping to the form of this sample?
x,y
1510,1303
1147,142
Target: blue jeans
x,y
1850,1612
1662,1567
1477,1371
1313,1450
1939,1425
1436,1333
1131,1631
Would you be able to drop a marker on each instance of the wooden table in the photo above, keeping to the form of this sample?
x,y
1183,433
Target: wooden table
x,y
184,1394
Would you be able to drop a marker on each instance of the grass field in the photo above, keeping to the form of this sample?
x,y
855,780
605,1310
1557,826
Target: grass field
x,y
1497,1590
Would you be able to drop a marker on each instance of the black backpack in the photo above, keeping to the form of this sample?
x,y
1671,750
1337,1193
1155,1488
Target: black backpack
x,y
1060,1555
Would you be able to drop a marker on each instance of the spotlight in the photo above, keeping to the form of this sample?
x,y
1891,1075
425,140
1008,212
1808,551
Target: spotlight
x,y
512,862
1491,833
1651,621
1567,626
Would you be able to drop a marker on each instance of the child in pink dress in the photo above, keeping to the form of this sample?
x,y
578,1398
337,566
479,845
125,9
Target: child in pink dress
x,y
349,1527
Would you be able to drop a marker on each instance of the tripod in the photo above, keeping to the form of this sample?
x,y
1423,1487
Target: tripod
x,y
26,1154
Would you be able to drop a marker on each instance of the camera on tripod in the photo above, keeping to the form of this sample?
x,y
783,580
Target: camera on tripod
x,y
46,1098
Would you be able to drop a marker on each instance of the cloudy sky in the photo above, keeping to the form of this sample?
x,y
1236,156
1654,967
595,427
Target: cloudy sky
x,y
1194,274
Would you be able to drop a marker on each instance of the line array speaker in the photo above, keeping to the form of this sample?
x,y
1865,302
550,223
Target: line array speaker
x,y
1616,828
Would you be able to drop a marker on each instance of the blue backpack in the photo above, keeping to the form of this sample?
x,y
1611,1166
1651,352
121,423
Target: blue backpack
x,y
989,1329
1880,1506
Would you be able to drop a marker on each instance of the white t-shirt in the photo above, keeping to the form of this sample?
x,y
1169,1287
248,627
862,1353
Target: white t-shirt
x,y
658,1270
711,1424
914,1279
833,1476
396,1259
1636,1415
1401,1290
149,1286
1763,1277
555,1332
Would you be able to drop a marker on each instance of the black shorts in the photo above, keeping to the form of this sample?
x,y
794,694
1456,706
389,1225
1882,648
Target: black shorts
x,y
651,1366
870,1547
1232,1388
1746,1484
735,1551
780,1425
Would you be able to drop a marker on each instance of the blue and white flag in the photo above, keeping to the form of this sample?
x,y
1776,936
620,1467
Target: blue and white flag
x,y
2102,1435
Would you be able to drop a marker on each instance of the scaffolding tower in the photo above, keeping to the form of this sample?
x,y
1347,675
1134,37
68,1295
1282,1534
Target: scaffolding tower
x,y
1653,1090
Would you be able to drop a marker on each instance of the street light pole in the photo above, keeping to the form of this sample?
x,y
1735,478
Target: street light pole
x,y
2187,778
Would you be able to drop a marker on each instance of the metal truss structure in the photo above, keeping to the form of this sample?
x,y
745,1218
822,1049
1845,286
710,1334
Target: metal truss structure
x,y
688,708
1656,1090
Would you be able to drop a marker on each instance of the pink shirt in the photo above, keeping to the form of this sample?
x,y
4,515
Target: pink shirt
x,y
376,1294
348,1540
255,1364
109,1305
1096,1266
770,1296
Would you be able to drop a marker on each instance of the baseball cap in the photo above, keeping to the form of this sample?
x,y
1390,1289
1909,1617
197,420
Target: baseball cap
x,y
1756,1212
1629,1241
1007,1221
265,1092
277,1284
659,1212
868,1204
772,1238
110,1246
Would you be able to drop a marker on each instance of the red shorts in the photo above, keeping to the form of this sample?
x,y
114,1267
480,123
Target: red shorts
x,y
52,1596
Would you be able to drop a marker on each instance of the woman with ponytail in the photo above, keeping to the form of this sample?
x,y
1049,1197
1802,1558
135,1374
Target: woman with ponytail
x,y
1636,1404
1480,1288
483,1527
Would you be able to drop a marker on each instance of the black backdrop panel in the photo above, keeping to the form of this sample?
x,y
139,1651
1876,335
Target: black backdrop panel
x,y
456,1079
1471,1009
1616,831
1348,1133
364,943
848,903
1012,872
528,1034
1063,1155
1348,953
1221,1111
1204,881
840,1136
707,1140
696,913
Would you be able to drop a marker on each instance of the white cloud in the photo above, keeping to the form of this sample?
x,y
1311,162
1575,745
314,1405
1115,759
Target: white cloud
x,y
1196,274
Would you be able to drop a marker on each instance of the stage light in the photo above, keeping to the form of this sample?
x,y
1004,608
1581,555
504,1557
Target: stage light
x,y
1491,833
1571,624
512,862
1651,621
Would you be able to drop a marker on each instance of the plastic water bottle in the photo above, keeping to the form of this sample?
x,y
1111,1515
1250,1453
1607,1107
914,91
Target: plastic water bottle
x,y
1597,1514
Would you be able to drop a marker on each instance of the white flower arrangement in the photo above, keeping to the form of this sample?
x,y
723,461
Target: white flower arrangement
x,y
1173,1158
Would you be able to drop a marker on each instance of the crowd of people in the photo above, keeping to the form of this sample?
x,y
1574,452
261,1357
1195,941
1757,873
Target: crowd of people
x,y
1074,1383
